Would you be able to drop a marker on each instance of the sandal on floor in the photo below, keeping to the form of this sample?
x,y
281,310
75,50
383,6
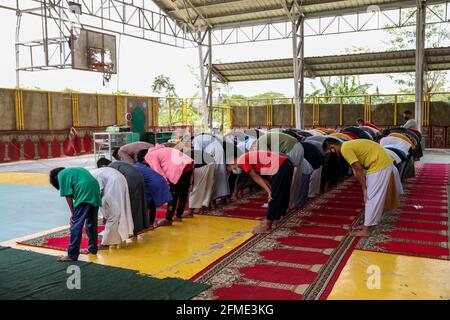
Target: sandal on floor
x,y
65,259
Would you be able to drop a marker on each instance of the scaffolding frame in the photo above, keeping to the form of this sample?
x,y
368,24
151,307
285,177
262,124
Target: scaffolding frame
x,y
134,18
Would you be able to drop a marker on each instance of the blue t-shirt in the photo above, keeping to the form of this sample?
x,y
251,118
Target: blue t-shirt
x,y
156,187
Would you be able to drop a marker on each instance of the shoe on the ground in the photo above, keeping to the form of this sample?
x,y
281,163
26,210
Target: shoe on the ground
x,y
177,219
164,223
188,215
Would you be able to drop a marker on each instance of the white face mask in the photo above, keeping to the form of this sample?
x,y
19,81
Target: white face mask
x,y
237,171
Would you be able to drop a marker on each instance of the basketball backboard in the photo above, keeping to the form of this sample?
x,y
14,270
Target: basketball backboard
x,y
94,51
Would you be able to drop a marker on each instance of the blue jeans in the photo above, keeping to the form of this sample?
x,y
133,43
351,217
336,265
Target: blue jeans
x,y
83,213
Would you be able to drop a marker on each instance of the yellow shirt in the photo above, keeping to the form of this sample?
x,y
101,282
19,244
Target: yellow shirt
x,y
370,154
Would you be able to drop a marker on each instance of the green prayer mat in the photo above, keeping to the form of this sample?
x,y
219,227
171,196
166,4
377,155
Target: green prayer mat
x,y
33,276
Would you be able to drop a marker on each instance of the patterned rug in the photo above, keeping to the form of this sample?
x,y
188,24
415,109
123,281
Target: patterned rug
x,y
60,240
251,206
300,259
421,226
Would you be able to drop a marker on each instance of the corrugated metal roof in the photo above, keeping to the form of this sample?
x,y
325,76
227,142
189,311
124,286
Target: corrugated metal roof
x,y
218,13
353,64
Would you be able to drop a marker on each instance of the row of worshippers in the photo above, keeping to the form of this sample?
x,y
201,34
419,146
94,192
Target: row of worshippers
x,y
380,160
129,194
128,191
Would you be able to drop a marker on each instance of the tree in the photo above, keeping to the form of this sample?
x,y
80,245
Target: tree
x,y
340,86
436,35
219,88
170,113
162,85
68,90
269,95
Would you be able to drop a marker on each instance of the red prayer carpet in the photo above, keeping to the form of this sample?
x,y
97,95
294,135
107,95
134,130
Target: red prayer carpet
x,y
420,227
299,259
60,240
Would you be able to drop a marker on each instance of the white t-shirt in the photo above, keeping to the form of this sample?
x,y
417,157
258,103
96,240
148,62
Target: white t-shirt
x,y
411,124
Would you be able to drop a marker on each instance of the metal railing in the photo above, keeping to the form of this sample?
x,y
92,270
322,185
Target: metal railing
x,y
172,112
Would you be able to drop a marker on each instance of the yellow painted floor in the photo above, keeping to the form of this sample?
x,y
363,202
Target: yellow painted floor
x,y
401,278
180,251
21,178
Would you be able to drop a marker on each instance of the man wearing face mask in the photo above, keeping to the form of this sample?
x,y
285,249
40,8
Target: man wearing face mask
x,y
377,175
411,123
277,170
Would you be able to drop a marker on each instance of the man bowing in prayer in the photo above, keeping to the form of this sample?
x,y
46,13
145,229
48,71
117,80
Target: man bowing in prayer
x,y
116,207
177,169
377,175
157,190
128,152
277,171
82,194
136,188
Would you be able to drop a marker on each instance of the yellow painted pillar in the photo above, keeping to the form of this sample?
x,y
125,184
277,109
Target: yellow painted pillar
x,y
426,110
99,122
119,110
230,114
341,111
155,102
248,114
18,104
314,112
170,111
292,113
365,109
75,113
49,111
318,112
395,110
184,112
17,108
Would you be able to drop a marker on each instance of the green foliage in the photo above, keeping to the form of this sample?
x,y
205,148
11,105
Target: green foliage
x,y
269,95
122,92
162,85
68,90
436,35
340,86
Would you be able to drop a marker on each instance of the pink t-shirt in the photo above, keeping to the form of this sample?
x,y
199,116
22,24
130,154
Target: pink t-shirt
x,y
169,162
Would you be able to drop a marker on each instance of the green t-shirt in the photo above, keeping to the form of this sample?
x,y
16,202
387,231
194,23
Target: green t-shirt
x,y
81,185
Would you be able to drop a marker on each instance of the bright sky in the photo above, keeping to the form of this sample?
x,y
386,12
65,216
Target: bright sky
x,y
140,61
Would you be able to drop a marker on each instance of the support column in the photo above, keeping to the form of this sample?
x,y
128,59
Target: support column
x,y
299,66
420,59
17,46
205,64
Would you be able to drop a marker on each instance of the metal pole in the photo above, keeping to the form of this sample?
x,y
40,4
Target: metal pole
x,y
202,79
420,59
17,46
298,58
45,33
210,88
